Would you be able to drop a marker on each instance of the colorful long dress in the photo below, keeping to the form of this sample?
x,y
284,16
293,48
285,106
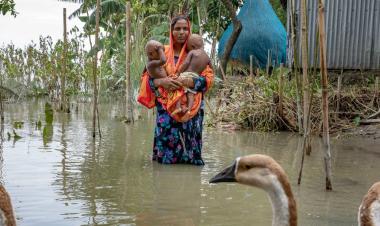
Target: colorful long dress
x,y
179,142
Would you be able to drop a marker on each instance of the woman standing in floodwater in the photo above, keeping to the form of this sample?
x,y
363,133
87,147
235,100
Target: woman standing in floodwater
x,y
177,138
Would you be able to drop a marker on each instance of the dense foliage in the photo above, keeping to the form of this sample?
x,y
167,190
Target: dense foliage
x,y
36,68
8,6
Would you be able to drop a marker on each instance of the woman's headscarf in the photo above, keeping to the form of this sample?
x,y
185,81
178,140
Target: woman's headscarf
x,y
170,50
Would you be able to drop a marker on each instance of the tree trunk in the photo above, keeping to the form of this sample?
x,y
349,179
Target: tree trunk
x,y
325,95
237,27
128,90
94,69
63,104
305,78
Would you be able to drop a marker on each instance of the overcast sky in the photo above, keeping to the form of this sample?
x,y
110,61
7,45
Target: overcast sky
x,y
35,18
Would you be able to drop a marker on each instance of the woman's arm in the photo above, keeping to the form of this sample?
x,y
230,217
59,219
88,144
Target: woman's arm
x,y
200,84
166,83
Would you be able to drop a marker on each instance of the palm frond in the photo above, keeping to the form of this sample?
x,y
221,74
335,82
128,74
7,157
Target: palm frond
x,y
112,6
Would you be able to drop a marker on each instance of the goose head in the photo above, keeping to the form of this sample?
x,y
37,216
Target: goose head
x,y
263,172
255,170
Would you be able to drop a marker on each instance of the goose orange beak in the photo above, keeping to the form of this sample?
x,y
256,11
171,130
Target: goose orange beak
x,y
227,175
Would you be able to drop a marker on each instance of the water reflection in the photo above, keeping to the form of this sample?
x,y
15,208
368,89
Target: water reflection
x,y
70,179
47,132
176,197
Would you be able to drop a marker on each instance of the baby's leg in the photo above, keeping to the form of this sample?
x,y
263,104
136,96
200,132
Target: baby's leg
x,y
190,101
178,108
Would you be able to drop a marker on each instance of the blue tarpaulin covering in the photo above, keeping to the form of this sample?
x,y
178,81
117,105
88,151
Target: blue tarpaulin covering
x,y
262,31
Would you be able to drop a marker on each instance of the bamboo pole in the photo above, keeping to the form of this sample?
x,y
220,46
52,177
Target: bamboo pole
x,y
128,91
94,69
315,58
280,93
305,78
295,66
63,104
304,142
325,104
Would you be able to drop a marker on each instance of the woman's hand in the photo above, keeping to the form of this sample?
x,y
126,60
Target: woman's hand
x,y
168,83
187,82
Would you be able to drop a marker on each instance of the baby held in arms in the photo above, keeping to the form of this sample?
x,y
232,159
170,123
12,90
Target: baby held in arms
x,y
196,61
156,59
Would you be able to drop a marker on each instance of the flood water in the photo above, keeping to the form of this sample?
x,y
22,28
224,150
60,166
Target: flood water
x,y
56,175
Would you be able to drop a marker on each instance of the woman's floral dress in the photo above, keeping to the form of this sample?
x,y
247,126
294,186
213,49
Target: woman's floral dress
x,y
170,135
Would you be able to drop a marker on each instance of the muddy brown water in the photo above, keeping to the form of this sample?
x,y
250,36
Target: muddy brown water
x,y
56,175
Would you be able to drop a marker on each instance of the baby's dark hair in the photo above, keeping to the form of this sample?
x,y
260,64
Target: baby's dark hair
x,y
176,19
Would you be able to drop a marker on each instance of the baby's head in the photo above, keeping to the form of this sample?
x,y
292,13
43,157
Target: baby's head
x,y
195,42
151,49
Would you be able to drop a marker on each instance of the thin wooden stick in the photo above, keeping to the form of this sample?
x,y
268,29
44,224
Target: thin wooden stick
x,y
97,116
222,72
63,104
209,107
325,103
295,66
339,92
128,86
280,93
95,66
305,77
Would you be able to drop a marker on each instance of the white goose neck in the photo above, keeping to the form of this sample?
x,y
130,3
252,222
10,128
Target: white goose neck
x,y
375,212
280,204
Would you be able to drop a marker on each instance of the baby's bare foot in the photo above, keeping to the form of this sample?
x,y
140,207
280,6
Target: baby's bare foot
x,y
176,111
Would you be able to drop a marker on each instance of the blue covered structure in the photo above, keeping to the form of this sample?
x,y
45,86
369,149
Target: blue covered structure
x,y
262,32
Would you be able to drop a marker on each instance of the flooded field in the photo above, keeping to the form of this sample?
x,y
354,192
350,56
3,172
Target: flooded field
x,y
56,175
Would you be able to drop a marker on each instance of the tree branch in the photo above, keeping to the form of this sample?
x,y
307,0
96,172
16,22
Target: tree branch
x,y
237,27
